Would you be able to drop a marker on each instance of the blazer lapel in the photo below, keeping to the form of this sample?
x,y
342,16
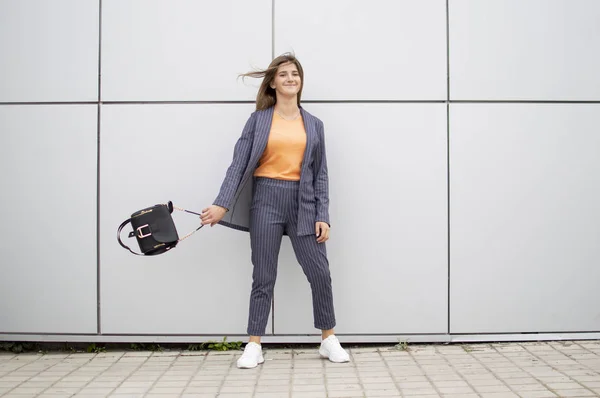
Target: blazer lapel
x,y
311,135
261,134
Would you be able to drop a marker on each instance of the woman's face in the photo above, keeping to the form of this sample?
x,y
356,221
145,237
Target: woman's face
x,y
287,81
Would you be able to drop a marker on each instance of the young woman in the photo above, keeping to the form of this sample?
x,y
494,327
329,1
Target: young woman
x,y
277,185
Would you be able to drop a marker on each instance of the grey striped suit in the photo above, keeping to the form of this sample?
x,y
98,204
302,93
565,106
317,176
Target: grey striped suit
x,y
269,209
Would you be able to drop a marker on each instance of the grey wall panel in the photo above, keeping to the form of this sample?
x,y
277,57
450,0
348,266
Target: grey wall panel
x,y
152,154
49,50
183,50
524,50
525,217
48,211
357,50
388,247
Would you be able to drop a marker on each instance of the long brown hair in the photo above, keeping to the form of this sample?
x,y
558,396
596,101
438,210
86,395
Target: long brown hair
x,y
266,97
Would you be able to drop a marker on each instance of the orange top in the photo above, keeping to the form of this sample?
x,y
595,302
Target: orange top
x,y
283,155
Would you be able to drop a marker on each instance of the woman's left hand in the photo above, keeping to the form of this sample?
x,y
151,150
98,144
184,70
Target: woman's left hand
x,y
322,231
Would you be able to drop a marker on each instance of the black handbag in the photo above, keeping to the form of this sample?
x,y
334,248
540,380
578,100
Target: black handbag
x,y
154,229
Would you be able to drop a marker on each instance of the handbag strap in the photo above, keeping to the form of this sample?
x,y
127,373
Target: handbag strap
x,y
191,212
124,223
119,236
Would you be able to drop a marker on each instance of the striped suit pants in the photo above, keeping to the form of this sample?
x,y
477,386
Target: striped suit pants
x,y
274,212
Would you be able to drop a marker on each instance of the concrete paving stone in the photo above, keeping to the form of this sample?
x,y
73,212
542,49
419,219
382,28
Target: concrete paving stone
x,y
410,379
299,356
591,384
105,384
482,374
110,378
70,384
197,395
172,391
61,390
397,355
407,372
9,384
392,363
205,376
554,379
365,365
582,392
379,386
95,391
537,394
282,364
342,375
201,390
19,379
273,382
412,392
73,378
272,395
498,395
142,378
496,388
244,372
344,394
339,368
44,395
360,353
456,390
304,381
414,384
449,383
272,388
375,380
131,390
489,381
445,377
343,380
174,379
308,387
238,389
374,371
271,375
36,384
240,383
135,384
205,383
313,394
279,371
382,393
528,387
344,387
28,391
187,368
583,371
563,386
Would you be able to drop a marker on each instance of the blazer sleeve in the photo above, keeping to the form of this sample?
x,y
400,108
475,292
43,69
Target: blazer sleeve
x,y
235,172
321,180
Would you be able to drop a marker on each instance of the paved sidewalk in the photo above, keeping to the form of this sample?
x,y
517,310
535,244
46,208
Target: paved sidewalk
x,y
528,370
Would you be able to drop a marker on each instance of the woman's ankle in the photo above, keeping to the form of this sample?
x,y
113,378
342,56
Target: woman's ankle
x,y
254,339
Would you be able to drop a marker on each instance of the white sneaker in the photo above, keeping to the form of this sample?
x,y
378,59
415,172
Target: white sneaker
x,y
332,350
251,357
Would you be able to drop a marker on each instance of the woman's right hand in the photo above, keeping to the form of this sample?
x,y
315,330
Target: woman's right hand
x,y
212,215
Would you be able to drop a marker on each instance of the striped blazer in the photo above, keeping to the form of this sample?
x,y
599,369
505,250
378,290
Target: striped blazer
x,y
237,187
